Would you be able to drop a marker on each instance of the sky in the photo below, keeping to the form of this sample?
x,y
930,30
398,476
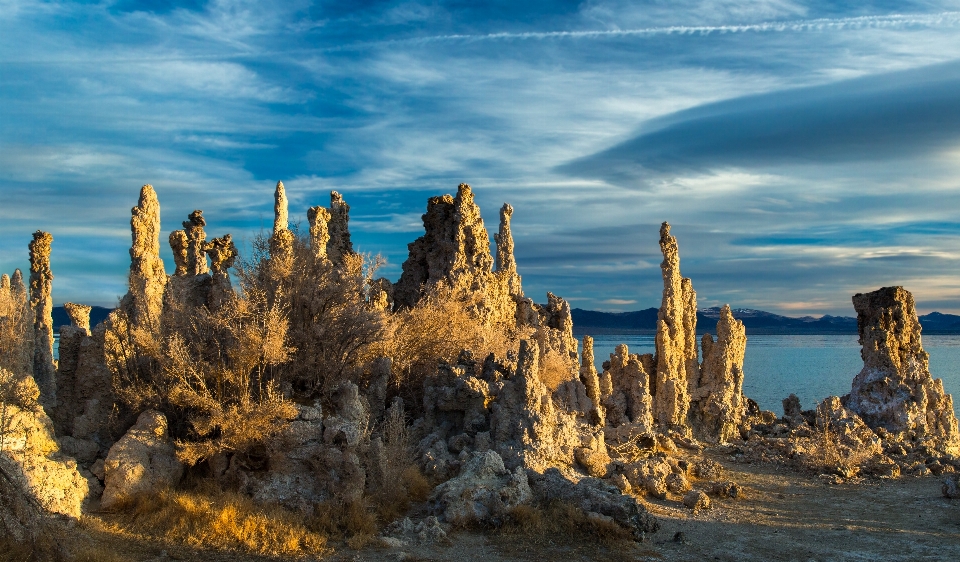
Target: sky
x,y
801,151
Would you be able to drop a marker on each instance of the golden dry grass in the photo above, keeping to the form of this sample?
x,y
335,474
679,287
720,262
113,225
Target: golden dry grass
x,y
220,521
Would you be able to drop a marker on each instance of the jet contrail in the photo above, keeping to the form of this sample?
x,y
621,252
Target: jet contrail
x,y
943,19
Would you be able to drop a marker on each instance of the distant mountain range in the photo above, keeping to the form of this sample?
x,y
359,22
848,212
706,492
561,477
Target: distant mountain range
x,y
645,322
755,321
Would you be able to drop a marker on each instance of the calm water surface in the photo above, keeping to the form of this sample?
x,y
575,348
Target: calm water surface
x,y
812,367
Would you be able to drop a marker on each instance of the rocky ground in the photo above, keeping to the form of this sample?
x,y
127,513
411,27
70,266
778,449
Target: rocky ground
x,y
781,515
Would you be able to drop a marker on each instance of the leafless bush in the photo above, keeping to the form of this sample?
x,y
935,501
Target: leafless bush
x,y
333,328
438,328
212,372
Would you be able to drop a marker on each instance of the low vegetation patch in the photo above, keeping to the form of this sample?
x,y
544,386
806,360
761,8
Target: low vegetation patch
x,y
222,521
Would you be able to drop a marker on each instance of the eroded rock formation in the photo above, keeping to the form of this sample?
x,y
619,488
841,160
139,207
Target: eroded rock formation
x,y
895,390
36,478
506,264
41,302
281,242
677,357
17,318
339,244
629,400
223,254
79,315
319,219
591,382
718,406
484,491
144,301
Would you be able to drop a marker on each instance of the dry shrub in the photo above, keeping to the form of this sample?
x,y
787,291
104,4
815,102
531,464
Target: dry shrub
x,y
828,451
399,483
354,522
554,370
562,522
212,372
439,327
333,326
222,521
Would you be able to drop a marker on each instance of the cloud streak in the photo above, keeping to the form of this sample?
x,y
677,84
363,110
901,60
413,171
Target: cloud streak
x,y
896,115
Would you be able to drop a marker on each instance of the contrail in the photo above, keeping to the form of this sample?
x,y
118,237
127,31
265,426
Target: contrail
x,y
943,19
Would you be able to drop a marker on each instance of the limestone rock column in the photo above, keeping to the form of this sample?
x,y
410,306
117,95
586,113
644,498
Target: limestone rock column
x,y
895,390
319,218
223,254
41,302
339,243
506,264
591,381
281,243
676,341
144,301
718,406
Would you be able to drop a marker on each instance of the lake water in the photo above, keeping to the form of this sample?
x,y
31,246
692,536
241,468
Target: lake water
x,y
812,367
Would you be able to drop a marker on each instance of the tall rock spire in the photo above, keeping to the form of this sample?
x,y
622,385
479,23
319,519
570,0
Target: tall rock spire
x,y
319,218
281,243
506,264
338,228
41,302
676,341
144,301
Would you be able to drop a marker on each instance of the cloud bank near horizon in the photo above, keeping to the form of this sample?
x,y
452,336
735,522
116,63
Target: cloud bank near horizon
x,y
802,151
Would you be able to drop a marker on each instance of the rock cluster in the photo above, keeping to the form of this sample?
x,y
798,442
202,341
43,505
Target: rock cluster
x,y
895,390
673,392
717,403
36,477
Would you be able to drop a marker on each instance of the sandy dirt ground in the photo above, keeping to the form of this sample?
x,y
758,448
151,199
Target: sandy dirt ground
x,y
782,515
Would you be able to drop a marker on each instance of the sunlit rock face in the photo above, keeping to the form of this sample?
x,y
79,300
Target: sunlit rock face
x,y
455,249
38,478
144,301
41,302
676,359
895,390
717,406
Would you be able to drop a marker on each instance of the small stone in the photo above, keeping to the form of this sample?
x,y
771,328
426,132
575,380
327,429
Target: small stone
x,y
696,500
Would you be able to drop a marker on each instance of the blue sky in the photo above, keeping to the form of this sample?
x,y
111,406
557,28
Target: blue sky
x,y
802,151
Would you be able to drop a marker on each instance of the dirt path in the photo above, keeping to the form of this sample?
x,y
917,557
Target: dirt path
x,y
782,515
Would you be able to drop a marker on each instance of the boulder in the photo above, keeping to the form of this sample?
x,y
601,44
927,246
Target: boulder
x,y
593,495
143,461
696,500
951,487
484,492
